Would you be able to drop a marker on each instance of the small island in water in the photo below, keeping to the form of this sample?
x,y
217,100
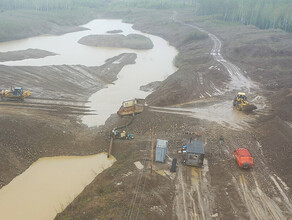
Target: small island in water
x,y
24,54
131,41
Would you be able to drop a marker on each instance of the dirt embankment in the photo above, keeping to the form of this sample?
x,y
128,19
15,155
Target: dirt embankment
x,y
219,189
75,82
265,56
193,79
151,86
24,54
46,124
113,193
131,41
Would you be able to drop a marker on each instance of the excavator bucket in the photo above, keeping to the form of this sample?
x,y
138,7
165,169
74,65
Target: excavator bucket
x,y
25,94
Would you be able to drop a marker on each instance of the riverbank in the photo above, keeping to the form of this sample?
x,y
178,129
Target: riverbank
x,y
47,124
34,23
219,189
219,182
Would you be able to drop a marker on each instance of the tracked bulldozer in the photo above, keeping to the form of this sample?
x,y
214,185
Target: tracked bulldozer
x,y
15,93
240,103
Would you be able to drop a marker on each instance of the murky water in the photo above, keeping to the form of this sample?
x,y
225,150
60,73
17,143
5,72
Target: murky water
x,y
49,185
151,65
69,51
221,113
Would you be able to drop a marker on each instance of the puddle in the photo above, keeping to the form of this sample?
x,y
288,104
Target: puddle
x,y
222,113
49,185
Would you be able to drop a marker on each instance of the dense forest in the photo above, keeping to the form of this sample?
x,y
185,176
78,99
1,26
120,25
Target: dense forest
x,y
261,13
47,5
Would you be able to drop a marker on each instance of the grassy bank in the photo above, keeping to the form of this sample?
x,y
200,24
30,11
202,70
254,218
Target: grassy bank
x,y
22,23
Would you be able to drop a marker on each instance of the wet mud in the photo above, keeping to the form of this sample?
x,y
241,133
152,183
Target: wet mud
x,y
197,99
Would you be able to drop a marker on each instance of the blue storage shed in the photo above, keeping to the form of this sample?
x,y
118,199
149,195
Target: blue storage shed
x,y
161,150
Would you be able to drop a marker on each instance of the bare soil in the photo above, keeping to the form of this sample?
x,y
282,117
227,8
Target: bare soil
x,y
218,190
24,54
114,31
131,41
150,86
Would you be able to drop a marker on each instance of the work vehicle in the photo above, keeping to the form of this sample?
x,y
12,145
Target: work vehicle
x,y
15,93
240,101
131,107
243,158
122,135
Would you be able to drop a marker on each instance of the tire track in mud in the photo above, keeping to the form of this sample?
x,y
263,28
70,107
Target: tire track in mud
x,y
238,80
246,197
56,107
220,111
139,187
192,193
260,206
258,193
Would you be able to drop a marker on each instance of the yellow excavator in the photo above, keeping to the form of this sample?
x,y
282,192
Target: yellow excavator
x,y
15,93
240,101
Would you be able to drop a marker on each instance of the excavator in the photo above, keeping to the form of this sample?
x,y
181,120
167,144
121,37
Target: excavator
x,y
15,93
241,103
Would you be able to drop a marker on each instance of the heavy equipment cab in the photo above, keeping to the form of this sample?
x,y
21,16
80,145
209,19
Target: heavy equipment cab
x,y
240,101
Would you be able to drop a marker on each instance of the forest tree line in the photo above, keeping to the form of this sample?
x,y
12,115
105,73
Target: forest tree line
x,y
261,13
48,5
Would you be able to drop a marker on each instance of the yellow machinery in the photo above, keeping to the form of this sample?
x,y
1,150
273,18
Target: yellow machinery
x,y
240,101
16,93
131,107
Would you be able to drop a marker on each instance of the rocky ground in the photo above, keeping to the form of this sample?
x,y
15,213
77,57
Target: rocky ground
x,y
218,190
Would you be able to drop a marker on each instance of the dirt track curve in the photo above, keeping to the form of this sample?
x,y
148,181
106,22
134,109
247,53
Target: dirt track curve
x,y
193,186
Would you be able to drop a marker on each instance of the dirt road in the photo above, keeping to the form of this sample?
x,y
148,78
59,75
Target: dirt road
x,y
253,197
204,83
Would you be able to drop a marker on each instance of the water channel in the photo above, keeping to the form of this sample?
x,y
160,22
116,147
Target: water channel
x,y
151,65
50,184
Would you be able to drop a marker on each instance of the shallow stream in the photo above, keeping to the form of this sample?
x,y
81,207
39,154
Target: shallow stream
x,y
50,184
151,65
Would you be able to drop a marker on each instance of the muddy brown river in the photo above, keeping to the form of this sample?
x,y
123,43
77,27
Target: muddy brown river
x,y
50,184
151,65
